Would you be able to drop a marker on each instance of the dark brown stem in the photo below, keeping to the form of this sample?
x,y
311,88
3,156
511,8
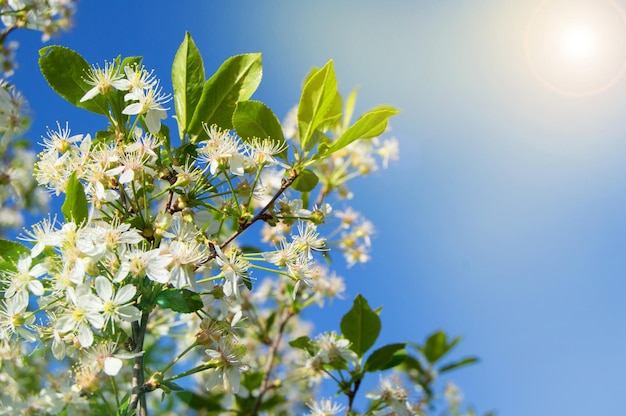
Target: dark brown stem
x,y
269,366
286,183
352,394
138,396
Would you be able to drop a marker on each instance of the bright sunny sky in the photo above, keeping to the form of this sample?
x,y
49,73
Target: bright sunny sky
x,y
504,219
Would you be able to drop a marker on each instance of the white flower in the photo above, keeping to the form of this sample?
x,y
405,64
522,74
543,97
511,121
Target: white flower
x,y
118,307
392,393
100,238
41,235
104,81
186,256
227,356
325,407
221,150
15,320
263,151
308,239
150,104
25,280
331,347
233,267
61,140
82,313
139,79
390,150
139,263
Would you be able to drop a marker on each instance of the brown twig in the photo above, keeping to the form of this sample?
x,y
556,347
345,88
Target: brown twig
x,y
269,366
138,396
285,183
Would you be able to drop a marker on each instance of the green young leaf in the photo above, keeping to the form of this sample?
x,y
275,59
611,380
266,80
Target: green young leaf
x,y
458,364
349,109
385,357
318,98
235,80
303,343
187,81
255,119
75,207
179,300
65,71
10,251
170,386
360,326
437,346
369,125
306,181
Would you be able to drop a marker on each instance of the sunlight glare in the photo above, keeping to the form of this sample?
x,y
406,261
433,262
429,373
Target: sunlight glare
x,y
579,42
577,47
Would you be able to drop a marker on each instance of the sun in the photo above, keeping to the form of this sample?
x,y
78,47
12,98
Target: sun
x,y
577,47
579,42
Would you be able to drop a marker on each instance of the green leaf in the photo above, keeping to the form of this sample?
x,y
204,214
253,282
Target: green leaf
x,y
437,346
255,119
386,357
349,109
361,326
187,81
75,207
458,364
131,61
317,99
303,343
170,386
235,80
10,251
179,300
369,125
65,71
306,181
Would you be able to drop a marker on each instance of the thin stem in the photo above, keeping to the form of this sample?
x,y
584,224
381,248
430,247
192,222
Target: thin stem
x,y
352,393
266,384
286,183
178,357
138,396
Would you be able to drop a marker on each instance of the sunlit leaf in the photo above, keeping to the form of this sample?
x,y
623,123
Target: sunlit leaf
x,y
187,81
369,125
255,119
179,300
75,207
385,357
317,99
235,80
65,71
306,181
361,326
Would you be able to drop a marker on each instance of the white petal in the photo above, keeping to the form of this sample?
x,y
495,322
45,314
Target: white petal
x,y
90,94
125,294
35,287
135,108
153,121
85,336
112,365
104,288
129,313
95,319
127,176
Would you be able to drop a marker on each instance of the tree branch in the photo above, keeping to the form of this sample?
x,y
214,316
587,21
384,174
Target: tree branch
x,y
269,366
138,396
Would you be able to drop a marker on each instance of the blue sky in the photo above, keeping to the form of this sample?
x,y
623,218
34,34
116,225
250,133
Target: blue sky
x,y
504,219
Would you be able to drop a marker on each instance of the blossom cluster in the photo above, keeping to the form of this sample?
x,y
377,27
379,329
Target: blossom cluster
x,y
48,16
18,189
